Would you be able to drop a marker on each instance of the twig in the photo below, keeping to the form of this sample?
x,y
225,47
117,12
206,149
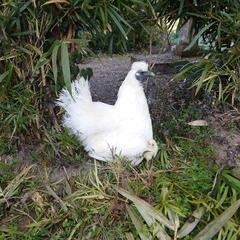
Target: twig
x,y
215,181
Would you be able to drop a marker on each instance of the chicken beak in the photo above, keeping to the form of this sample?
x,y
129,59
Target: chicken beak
x,y
150,74
142,76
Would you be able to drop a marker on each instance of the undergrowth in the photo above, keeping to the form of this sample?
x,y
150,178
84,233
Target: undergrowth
x,y
182,178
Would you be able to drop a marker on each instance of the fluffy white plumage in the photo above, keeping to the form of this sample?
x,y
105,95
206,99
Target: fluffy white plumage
x,y
105,130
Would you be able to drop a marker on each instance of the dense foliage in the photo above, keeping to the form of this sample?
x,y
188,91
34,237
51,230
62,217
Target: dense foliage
x,y
35,39
217,23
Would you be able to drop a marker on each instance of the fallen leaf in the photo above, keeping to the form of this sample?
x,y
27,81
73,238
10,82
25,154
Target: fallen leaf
x,y
198,123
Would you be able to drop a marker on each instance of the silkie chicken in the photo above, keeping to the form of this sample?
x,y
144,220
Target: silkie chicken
x,y
106,131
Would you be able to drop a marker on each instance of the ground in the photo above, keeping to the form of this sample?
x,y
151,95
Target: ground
x,y
166,97
79,199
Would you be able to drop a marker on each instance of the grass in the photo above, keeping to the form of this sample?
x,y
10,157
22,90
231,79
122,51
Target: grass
x,y
87,206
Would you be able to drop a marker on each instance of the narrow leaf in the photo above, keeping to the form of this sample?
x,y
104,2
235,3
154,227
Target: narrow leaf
x,y
138,224
189,226
53,194
147,207
12,187
158,230
195,39
54,62
117,22
198,123
66,66
215,226
129,236
2,76
232,181
55,1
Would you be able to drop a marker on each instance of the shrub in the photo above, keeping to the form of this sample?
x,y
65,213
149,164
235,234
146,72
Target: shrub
x,y
217,24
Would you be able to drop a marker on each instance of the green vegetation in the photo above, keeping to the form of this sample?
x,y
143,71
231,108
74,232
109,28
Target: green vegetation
x,y
40,42
89,206
217,24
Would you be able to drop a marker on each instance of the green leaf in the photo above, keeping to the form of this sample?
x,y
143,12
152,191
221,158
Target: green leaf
x,y
180,7
12,187
158,230
54,62
137,222
41,62
232,181
66,66
54,195
117,22
189,226
223,197
139,203
186,68
152,9
195,39
215,226
4,75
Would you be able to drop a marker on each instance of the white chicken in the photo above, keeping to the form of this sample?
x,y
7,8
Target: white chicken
x,y
123,129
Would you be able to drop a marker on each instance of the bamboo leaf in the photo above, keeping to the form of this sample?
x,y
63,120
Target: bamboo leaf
x,y
138,224
195,39
129,236
215,226
189,226
55,1
116,21
66,66
147,207
232,181
4,75
198,123
54,62
158,230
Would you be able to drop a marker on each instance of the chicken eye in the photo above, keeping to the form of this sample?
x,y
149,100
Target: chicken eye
x,y
141,76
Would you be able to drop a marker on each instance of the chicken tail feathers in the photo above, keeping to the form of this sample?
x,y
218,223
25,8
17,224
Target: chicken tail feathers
x,y
80,93
76,105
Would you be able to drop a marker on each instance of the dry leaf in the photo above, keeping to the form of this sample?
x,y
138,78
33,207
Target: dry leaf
x,y
198,123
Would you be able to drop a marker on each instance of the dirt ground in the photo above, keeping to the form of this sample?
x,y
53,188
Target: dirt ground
x,y
166,97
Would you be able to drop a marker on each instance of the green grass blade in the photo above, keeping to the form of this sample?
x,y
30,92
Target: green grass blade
x,y
232,181
74,230
54,195
4,75
12,187
215,226
66,66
